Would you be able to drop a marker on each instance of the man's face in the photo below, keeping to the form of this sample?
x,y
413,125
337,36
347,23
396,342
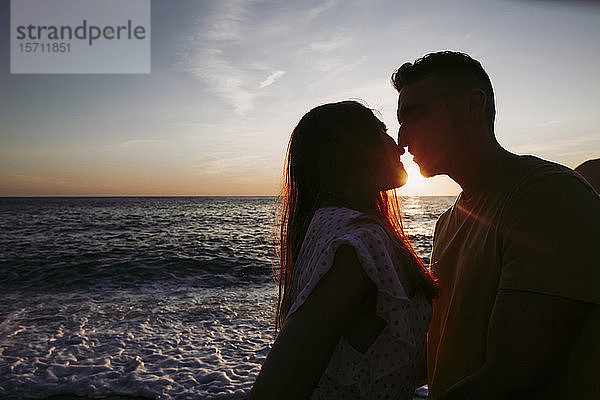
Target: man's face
x,y
427,126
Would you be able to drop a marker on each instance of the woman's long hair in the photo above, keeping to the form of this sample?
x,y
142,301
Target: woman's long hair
x,y
333,158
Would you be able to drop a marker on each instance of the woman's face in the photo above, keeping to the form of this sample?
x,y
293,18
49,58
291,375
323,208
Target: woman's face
x,y
391,173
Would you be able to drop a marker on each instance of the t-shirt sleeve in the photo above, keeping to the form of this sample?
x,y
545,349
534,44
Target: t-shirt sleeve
x,y
551,239
440,226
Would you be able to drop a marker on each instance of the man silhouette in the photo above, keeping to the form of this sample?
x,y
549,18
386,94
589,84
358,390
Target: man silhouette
x,y
517,255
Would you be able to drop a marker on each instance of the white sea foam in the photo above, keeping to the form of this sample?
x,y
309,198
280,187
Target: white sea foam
x,y
151,343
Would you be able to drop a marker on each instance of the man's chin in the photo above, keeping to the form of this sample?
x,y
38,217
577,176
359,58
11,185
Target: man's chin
x,y
426,173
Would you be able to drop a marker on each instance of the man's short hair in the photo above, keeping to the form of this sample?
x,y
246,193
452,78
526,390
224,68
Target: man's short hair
x,y
448,64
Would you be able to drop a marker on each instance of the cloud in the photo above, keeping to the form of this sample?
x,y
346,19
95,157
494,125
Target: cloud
x,y
226,163
228,22
559,146
271,78
330,44
43,183
233,47
548,123
133,142
224,79
209,55
321,8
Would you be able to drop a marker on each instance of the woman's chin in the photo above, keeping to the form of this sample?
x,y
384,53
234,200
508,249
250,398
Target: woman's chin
x,y
403,180
398,179
401,176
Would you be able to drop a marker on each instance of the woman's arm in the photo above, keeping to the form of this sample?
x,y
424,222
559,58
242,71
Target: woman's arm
x,y
308,338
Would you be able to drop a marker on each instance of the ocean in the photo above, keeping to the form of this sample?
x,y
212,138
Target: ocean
x,y
144,297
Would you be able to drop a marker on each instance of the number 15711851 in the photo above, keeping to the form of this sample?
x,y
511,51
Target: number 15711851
x,y
36,47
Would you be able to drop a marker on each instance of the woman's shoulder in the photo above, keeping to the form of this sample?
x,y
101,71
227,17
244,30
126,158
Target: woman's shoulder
x,y
329,223
337,213
333,225
331,216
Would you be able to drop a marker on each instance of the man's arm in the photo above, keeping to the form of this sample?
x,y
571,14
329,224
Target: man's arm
x,y
307,340
529,337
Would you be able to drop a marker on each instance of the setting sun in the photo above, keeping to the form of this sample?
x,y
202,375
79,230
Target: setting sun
x,y
416,181
418,185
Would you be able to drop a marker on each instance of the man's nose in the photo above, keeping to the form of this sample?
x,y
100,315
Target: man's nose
x,y
402,137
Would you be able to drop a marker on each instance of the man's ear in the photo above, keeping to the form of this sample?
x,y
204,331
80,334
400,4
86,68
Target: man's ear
x,y
477,101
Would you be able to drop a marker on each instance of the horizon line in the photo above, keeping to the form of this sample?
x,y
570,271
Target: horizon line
x,y
192,195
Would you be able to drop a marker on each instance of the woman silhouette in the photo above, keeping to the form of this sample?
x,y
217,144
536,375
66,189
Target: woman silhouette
x,y
354,299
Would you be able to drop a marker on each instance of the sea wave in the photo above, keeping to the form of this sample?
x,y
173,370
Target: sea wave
x,y
129,298
92,270
158,343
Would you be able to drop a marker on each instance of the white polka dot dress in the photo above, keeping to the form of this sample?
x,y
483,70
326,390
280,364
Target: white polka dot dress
x,y
387,369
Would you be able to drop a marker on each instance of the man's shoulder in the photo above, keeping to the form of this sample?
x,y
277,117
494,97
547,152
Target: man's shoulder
x,y
547,181
549,232
533,167
446,213
548,195
441,225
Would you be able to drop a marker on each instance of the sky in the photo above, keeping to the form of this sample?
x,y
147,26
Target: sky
x,y
230,79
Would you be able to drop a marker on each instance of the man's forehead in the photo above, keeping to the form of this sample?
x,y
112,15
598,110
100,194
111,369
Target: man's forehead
x,y
418,92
